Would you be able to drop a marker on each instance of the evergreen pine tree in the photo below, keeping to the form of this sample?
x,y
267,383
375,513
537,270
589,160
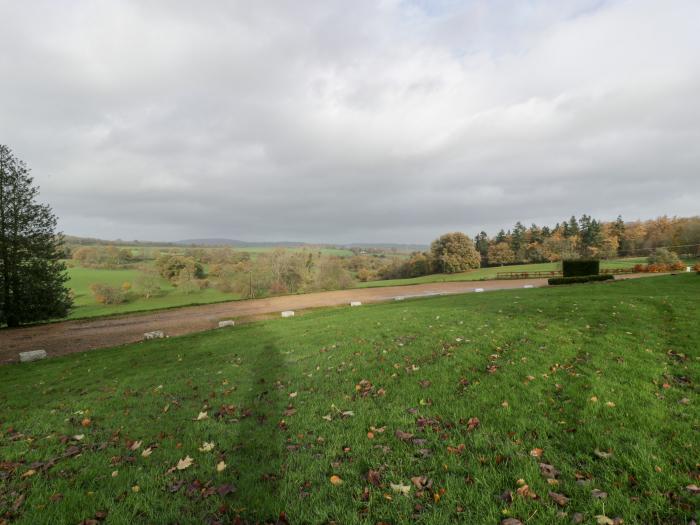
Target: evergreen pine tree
x,y
32,276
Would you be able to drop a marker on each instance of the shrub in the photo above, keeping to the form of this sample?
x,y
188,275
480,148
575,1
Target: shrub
x,y
663,256
580,279
580,267
105,294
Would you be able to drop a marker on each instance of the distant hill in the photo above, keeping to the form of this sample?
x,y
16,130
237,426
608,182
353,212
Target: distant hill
x,y
290,244
241,244
370,246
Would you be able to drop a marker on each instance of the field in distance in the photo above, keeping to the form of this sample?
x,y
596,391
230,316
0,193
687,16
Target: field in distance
x,y
170,296
465,409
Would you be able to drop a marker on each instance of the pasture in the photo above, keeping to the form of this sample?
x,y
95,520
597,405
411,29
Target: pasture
x,y
168,297
538,405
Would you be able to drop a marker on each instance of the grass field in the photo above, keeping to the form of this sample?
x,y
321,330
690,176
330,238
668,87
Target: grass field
x,y
170,296
490,273
429,411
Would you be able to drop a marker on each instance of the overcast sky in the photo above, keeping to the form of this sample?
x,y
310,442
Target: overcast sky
x,y
342,121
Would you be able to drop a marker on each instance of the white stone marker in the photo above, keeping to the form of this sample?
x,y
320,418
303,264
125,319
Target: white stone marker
x,y
223,324
288,313
687,268
355,303
478,289
528,286
156,334
32,355
399,298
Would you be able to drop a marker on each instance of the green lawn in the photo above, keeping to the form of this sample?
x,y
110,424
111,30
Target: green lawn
x,y
170,296
465,394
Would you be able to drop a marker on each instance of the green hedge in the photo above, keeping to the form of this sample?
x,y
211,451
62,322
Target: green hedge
x,y
580,267
580,279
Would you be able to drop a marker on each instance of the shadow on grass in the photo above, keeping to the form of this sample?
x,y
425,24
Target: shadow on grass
x,y
257,448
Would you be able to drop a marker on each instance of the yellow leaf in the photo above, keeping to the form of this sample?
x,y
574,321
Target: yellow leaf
x,y
220,466
135,445
29,473
202,415
206,447
403,489
147,452
135,488
335,480
184,463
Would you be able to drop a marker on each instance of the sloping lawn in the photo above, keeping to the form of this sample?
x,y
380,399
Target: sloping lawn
x,y
460,409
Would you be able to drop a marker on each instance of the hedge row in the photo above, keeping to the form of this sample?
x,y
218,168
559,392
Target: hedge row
x,y
580,267
580,279
658,267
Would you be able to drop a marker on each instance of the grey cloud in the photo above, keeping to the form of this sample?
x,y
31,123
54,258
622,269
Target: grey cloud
x,y
371,121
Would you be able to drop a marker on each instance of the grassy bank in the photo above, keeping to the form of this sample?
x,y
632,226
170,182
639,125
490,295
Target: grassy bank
x,y
465,394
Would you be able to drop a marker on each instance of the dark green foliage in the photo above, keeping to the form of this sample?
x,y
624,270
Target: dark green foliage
x,y
576,268
32,276
580,279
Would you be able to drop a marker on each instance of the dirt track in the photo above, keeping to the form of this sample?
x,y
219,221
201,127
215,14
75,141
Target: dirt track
x,y
77,336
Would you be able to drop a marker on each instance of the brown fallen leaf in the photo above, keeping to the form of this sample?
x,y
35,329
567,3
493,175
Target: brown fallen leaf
x,y
374,477
693,489
511,521
29,473
548,471
559,499
135,445
403,436
603,520
536,452
86,422
146,452
526,492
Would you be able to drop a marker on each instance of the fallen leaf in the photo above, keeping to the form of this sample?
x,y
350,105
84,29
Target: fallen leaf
x,y
79,437
604,520
184,463
403,489
115,473
511,521
610,404
599,494
135,488
201,416
220,466
336,480
146,452
536,452
559,499
548,471
526,492
135,445
86,422
601,454
206,447
374,477
29,473
472,423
